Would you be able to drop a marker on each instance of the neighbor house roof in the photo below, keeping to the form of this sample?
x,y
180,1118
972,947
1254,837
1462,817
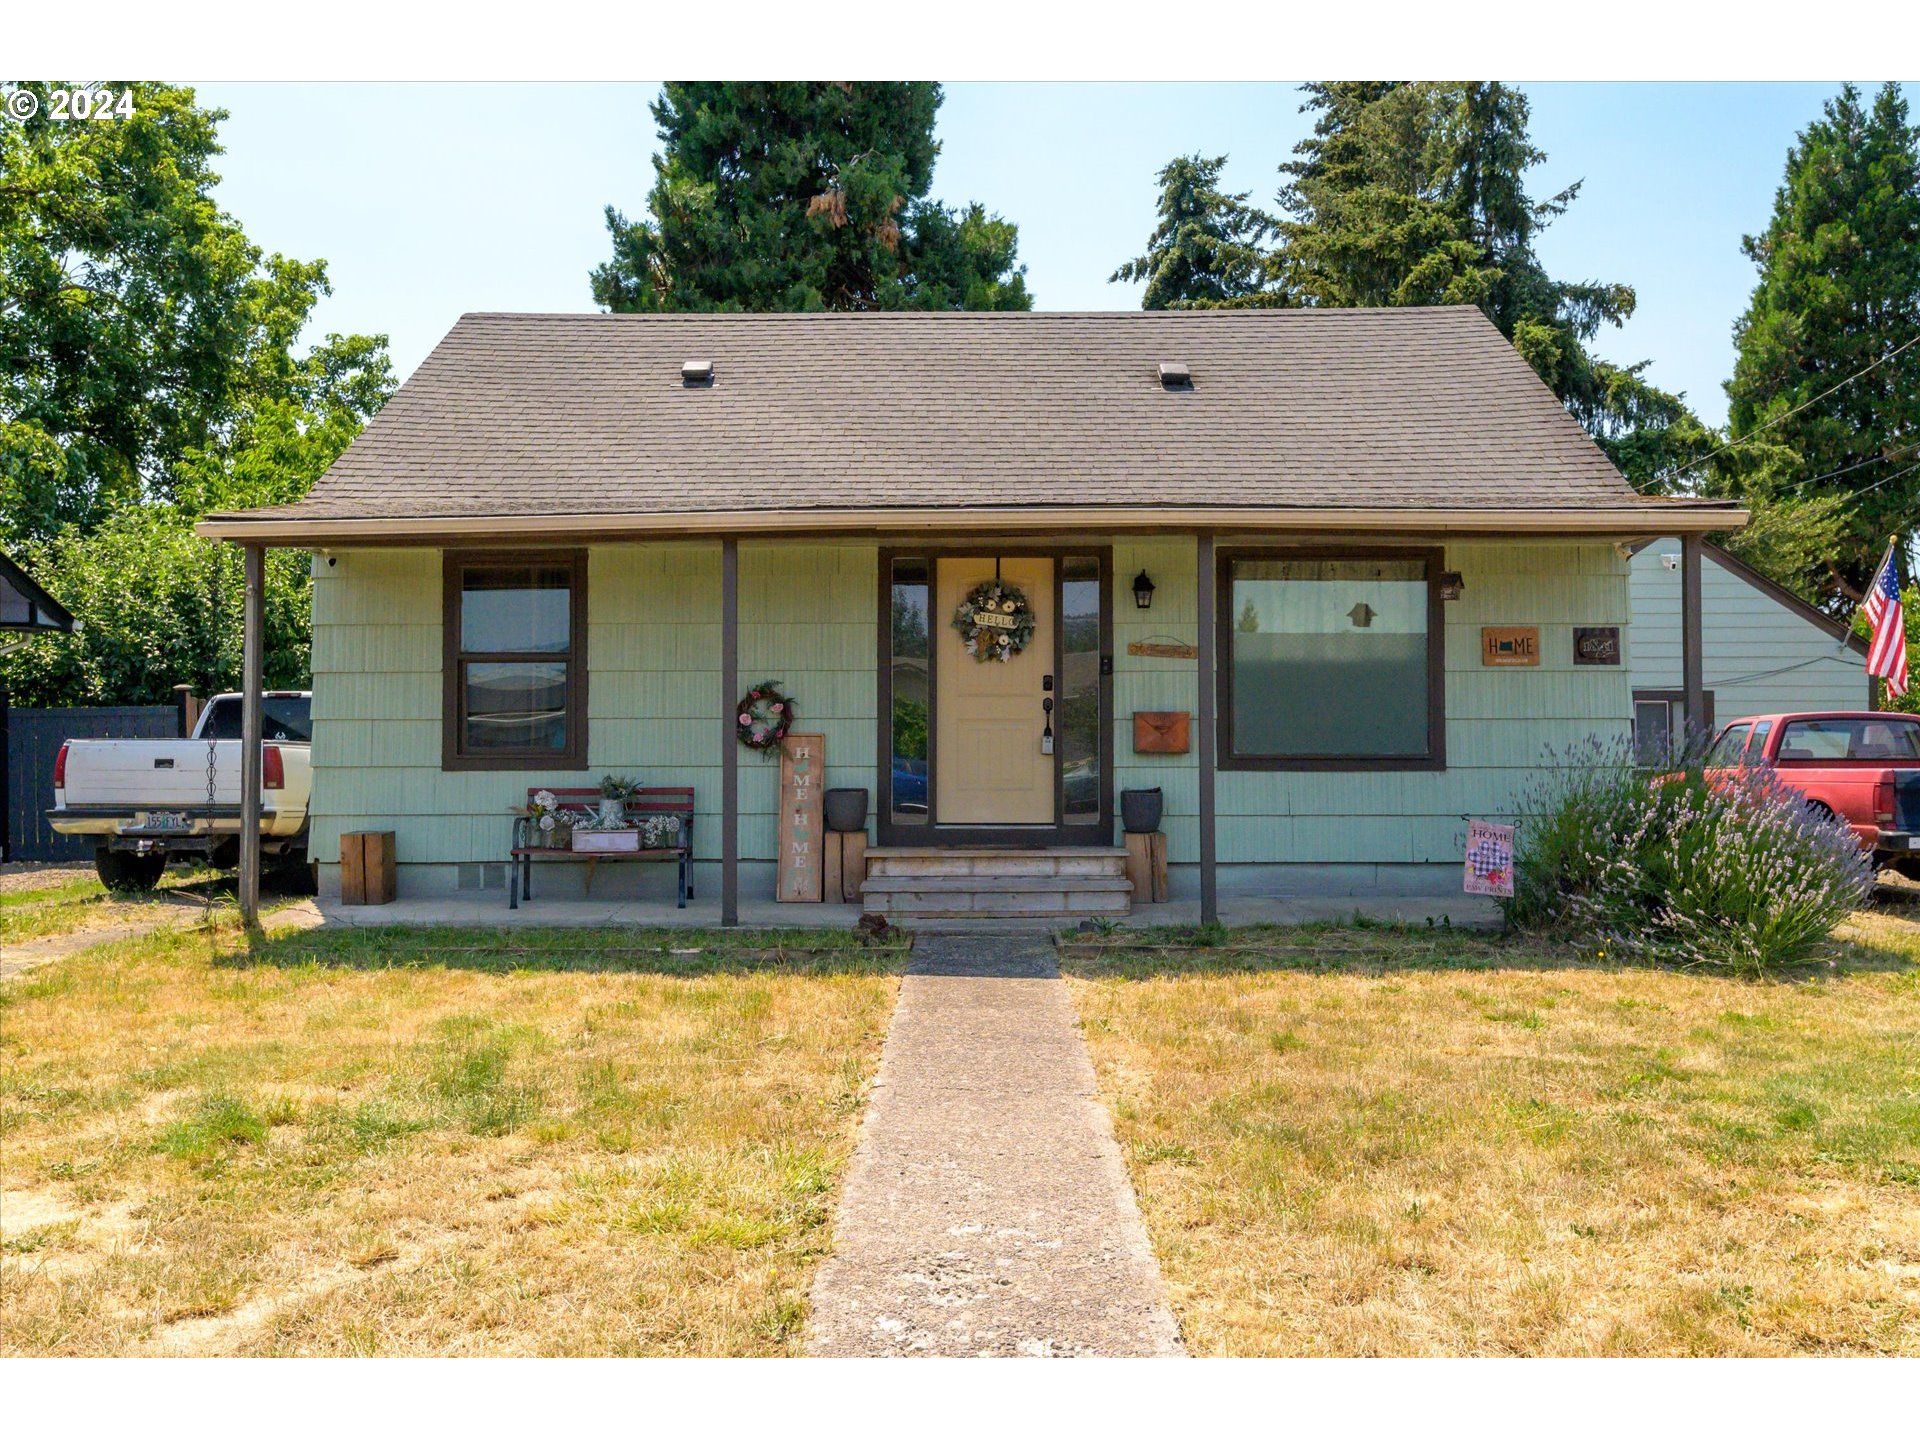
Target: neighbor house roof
x,y
585,424
25,606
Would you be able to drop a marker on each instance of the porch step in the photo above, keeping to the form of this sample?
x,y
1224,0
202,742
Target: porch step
x,y
984,883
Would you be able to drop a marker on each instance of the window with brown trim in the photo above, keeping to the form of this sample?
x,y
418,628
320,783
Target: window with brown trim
x,y
515,637
1331,660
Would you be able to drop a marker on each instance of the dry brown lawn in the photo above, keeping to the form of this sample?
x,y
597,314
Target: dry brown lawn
x,y
427,1143
1352,1142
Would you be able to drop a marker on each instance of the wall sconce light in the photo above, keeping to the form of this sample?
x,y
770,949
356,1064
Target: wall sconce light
x,y
1362,615
1143,591
1452,586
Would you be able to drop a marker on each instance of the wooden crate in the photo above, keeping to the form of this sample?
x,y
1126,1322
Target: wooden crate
x,y
846,866
1147,867
366,867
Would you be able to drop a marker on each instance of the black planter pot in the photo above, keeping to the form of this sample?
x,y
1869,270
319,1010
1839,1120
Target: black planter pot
x,y
846,810
1140,811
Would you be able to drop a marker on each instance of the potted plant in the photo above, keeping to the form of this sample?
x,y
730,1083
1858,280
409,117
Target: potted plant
x,y
614,793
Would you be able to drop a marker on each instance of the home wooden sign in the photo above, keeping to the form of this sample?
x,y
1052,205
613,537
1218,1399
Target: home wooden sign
x,y
1510,645
803,768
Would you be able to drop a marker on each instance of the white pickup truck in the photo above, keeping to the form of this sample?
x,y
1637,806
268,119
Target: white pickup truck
x,y
147,802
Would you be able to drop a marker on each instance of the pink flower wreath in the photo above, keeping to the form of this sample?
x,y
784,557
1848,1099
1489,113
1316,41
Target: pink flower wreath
x,y
764,716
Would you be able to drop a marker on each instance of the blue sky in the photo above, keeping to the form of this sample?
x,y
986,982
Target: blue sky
x,y
429,200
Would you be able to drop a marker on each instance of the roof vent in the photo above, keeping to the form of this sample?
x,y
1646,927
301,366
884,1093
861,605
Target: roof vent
x,y
1175,377
696,373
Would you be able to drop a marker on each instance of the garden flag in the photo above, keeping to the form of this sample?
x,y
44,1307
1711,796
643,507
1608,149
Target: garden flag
x,y
1887,645
1489,858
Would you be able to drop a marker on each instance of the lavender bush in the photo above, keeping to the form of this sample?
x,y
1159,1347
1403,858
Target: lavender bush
x,y
1654,861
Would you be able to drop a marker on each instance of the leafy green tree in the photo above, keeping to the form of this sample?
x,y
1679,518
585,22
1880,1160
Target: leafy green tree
x,y
138,324
799,195
1416,194
158,607
1817,374
150,370
1205,253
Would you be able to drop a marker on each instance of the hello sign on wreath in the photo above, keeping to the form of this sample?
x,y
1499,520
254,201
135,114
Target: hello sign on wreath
x,y
995,621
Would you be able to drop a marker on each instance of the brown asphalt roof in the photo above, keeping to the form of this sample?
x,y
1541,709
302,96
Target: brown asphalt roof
x,y
587,415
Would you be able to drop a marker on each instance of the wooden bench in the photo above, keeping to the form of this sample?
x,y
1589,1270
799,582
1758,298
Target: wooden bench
x,y
584,802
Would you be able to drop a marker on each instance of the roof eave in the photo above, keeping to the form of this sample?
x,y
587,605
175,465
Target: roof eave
x,y
1622,522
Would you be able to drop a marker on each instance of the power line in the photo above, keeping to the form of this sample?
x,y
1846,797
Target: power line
x,y
1788,415
1886,459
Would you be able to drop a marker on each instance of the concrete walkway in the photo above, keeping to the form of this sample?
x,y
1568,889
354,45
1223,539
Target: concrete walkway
x,y
987,1210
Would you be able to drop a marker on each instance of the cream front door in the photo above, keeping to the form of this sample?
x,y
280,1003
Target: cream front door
x,y
989,768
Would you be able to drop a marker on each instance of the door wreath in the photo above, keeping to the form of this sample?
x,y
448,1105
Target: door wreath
x,y
763,716
995,621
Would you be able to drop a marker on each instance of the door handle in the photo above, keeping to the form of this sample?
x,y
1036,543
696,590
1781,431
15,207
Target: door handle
x,y
1046,735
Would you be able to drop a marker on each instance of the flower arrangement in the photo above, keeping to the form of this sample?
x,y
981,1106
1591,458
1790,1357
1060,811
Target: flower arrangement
x,y
617,787
995,621
658,832
763,716
546,819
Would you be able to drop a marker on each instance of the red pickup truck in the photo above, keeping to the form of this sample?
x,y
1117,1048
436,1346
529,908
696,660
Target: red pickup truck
x,y
1859,766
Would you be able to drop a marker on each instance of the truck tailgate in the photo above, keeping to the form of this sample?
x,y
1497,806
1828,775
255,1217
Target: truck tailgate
x,y
151,774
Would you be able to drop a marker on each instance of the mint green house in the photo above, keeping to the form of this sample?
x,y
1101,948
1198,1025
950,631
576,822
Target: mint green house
x,y
1331,582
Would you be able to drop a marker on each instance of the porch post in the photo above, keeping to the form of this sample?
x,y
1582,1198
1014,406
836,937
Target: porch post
x,y
1692,685
251,731
729,745
1209,890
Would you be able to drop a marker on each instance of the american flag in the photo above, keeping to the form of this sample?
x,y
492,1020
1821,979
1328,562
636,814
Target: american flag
x,y
1887,649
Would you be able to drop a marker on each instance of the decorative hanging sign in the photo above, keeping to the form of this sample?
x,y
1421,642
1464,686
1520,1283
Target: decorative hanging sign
x,y
1489,858
1596,644
1163,649
995,621
803,768
763,717
1510,645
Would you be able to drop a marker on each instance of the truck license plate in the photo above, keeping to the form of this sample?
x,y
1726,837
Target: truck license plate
x,y
170,822
1913,842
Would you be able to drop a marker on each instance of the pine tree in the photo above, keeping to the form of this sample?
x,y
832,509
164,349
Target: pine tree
x,y
1817,375
804,196
1205,253
1416,194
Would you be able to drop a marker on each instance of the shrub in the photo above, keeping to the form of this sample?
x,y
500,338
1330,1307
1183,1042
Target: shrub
x,y
1736,874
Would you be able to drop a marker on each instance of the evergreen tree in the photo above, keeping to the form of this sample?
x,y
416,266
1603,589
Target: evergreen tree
x,y
1416,194
800,195
1205,253
1839,290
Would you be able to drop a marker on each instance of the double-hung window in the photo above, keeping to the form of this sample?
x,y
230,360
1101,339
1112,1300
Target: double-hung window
x,y
516,682
1331,660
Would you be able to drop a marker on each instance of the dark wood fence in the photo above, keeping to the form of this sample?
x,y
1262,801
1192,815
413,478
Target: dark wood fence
x,y
32,740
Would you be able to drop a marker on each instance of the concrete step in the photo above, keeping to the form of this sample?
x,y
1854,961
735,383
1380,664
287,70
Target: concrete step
x,y
996,896
931,861
998,882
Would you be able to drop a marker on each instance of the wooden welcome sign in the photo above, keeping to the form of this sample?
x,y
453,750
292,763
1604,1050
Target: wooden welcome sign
x,y
803,769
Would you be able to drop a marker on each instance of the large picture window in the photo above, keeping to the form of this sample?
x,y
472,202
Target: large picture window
x,y
1331,661
515,635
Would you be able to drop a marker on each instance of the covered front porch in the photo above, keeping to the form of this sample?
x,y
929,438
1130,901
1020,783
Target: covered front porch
x,y
1251,839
